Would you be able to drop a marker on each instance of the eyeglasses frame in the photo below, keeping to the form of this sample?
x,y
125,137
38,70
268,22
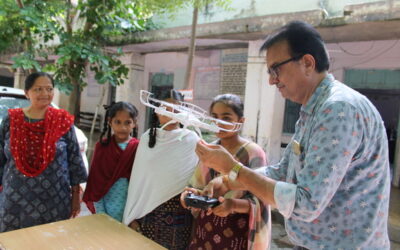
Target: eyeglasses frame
x,y
273,71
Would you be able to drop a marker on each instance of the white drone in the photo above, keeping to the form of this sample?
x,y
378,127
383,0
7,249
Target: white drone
x,y
187,114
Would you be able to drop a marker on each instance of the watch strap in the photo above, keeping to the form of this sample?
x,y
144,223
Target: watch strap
x,y
235,171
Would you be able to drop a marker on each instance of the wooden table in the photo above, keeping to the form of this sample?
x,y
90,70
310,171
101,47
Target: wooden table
x,y
98,231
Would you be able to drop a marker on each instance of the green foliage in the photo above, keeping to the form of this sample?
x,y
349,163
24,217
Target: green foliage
x,y
26,61
75,33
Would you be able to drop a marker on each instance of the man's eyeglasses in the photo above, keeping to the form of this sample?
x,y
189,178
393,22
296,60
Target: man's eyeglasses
x,y
273,71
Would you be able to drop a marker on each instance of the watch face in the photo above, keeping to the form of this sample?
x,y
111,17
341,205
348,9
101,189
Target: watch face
x,y
232,175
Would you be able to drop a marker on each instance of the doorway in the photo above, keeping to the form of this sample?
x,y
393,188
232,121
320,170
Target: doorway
x,y
387,102
382,87
158,83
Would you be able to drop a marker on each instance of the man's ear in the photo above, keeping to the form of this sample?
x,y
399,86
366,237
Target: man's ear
x,y
242,120
309,63
26,94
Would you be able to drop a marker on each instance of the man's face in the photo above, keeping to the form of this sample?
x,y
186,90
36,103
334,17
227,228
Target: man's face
x,y
285,72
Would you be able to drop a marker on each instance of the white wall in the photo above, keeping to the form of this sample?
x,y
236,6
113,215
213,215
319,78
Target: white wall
x,y
91,95
264,106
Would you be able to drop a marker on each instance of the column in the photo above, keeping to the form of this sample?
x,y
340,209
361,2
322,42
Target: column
x,y
264,106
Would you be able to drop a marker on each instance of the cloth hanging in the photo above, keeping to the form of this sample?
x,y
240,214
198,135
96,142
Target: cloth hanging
x,y
161,172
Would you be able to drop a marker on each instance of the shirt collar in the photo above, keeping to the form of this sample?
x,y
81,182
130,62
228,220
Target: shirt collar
x,y
317,95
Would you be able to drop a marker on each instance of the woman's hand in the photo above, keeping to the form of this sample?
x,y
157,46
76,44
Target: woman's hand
x,y
75,200
225,208
135,226
216,187
185,193
76,204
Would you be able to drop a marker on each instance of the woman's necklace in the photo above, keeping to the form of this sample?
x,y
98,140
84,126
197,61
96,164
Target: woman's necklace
x,y
29,115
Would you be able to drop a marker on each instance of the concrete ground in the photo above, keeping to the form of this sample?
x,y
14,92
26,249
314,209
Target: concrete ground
x,y
279,238
394,218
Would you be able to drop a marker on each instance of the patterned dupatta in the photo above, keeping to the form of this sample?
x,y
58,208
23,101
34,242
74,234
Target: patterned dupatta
x,y
33,145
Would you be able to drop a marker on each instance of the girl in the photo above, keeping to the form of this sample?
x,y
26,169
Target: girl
x,y
40,163
166,161
241,221
112,161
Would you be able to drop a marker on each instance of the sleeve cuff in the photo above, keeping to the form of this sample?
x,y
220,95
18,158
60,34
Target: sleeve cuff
x,y
285,197
261,170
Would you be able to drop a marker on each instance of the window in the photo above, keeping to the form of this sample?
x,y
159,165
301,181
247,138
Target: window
x,y
292,111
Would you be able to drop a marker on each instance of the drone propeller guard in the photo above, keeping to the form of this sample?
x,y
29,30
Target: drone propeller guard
x,y
188,114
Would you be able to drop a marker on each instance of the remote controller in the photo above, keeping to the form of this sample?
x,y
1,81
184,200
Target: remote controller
x,y
202,202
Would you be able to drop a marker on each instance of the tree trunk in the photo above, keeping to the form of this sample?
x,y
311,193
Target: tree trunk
x,y
74,101
192,49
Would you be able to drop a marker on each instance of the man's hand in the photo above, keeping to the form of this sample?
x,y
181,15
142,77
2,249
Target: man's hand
x,y
215,156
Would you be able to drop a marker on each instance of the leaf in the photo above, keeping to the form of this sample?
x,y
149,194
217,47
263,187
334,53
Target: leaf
x,y
39,30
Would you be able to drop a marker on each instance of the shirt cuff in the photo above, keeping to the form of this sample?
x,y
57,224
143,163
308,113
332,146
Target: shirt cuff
x,y
261,170
285,197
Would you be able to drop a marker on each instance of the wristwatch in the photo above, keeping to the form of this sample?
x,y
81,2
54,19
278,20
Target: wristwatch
x,y
235,171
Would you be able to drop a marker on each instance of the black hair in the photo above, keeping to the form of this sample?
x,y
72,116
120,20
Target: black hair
x,y
31,78
230,100
111,111
302,39
161,95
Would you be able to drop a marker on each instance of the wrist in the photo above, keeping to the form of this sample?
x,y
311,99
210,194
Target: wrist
x,y
233,206
225,181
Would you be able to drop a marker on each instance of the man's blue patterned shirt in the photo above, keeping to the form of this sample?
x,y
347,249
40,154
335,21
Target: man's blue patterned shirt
x,y
333,180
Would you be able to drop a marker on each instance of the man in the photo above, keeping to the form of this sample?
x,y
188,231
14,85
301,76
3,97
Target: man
x,y
332,184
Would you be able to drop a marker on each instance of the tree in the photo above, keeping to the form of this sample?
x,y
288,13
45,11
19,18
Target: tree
x,y
67,37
